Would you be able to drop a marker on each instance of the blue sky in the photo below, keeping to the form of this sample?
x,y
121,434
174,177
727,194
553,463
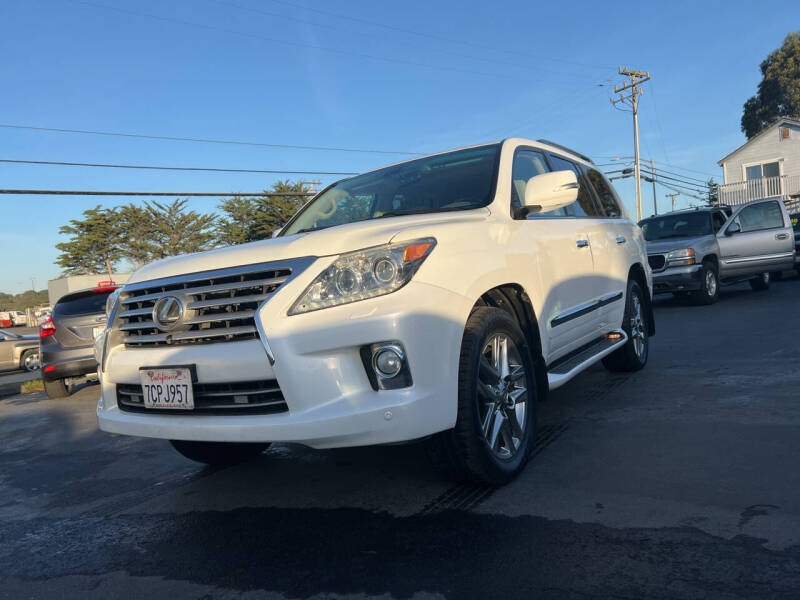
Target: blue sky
x,y
414,76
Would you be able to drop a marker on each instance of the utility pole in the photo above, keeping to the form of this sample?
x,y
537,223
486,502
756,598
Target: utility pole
x,y
672,196
312,185
637,78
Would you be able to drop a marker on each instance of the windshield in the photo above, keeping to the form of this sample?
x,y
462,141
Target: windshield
x,y
684,225
458,180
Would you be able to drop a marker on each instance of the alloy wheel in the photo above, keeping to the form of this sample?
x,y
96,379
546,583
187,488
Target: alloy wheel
x,y
31,362
502,396
637,327
711,283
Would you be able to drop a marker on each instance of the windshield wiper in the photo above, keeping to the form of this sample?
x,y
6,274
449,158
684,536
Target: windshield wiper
x,y
401,213
308,229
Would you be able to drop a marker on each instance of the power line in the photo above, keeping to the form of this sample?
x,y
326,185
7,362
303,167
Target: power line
x,y
485,59
424,34
162,168
686,169
292,43
187,194
660,176
660,170
206,140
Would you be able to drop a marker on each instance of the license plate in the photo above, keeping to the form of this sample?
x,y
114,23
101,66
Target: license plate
x,y
169,387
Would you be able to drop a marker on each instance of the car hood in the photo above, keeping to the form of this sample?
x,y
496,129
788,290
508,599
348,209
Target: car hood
x,y
325,242
664,246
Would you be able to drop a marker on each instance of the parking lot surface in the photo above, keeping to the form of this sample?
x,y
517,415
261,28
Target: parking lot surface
x,y
679,481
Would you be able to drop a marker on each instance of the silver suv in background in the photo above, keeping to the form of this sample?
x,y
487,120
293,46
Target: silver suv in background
x,y
697,250
67,339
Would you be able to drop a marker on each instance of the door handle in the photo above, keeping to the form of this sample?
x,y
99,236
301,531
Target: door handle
x,y
621,239
582,243
781,236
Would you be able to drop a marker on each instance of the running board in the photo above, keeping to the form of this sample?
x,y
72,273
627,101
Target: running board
x,y
567,367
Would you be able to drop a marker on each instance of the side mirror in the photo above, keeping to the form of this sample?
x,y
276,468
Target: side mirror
x,y
550,191
277,232
733,228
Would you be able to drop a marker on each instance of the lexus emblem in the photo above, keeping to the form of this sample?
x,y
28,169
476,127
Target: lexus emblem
x,y
167,313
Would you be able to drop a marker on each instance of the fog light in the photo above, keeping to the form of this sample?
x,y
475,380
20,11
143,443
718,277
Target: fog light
x,y
388,361
386,364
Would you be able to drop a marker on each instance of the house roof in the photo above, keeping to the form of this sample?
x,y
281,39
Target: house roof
x,y
776,123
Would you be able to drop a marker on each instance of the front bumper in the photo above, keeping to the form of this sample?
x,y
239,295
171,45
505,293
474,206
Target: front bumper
x,y
319,370
678,279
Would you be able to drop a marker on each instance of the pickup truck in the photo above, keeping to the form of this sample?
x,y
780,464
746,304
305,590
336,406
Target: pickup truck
x,y
437,299
696,250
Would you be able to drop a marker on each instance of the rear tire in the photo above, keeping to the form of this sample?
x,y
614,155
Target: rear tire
x,y
496,419
57,388
761,283
219,453
29,361
633,355
709,285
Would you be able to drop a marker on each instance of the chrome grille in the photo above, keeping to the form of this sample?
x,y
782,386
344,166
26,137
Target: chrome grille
x,y
218,306
243,397
657,261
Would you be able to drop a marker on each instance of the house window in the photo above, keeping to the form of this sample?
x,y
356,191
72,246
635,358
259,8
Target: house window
x,y
771,169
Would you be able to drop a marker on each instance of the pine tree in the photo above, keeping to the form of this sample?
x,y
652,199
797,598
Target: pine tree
x,y
94,241
779,91
178,231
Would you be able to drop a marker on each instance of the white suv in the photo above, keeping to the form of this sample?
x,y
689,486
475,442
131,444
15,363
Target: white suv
x,y
438,298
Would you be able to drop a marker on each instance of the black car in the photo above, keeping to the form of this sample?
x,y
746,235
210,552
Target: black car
x,y
67,338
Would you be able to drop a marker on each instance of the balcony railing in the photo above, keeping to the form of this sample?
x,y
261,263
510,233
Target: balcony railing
x,y
786,187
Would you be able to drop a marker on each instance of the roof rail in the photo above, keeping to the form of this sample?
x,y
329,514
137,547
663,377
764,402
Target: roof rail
x,y
570,150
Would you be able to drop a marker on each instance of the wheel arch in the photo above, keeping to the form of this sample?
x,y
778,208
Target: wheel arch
x,y
512,298
637,273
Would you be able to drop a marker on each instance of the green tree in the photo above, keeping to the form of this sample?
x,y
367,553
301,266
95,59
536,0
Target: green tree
x,y
136,241
779,91
178,231
93,246
713,191
239,224
251,219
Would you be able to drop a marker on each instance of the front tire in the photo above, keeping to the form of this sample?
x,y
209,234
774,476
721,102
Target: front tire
x,y
761,283
709,285
496,420
218,453
633,355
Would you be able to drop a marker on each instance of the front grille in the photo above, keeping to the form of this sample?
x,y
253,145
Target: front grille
x,y
217,307
657,261
242,397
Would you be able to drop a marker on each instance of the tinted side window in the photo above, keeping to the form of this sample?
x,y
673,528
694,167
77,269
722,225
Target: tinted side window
x,y
584,206
605,193
87,304
766,215
718,220
527,164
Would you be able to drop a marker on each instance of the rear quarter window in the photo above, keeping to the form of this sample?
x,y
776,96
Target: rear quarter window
x,y
608,198
84,304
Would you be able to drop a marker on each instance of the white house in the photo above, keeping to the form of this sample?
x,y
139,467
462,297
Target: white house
x,y
766,166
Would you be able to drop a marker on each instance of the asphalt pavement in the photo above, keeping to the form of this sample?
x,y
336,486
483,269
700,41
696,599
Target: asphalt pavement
x,y
679,481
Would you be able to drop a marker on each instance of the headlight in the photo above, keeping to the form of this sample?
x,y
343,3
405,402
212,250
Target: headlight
x,y
364,274
111,300
680,257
